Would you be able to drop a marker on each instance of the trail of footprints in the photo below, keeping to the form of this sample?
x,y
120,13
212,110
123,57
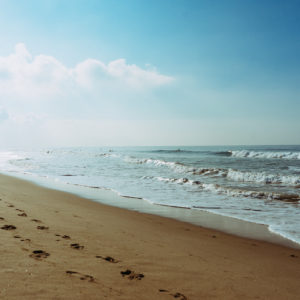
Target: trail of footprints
x,y
40,255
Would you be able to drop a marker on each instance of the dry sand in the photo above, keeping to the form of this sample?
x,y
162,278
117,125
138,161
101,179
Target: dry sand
x,y
161,258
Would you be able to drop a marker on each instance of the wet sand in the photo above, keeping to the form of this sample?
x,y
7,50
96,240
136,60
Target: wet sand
x,y
54,245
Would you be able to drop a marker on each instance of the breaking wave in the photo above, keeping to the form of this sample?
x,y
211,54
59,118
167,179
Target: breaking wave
x,y
235,192
157,162
266,155
229,191
9,156
223,153
262,177
231,174
178,167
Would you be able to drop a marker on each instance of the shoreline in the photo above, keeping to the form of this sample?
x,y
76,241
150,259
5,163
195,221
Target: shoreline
x,y
66,247
202,218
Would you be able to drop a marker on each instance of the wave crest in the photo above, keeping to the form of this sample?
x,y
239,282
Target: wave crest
x,y
230,174
229,191
266,155
262,177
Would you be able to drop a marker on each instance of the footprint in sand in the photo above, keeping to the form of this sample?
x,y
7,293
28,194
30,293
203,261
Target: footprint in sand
x,y
179,296
132,275
25,240
66,237
176,295
108,258
39,254
21,210
36,221
8,227
22,214
2,219
81,276
10,205
21,239
42,227
76,246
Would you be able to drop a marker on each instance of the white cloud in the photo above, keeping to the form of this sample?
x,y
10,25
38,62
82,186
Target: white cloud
x,y
135,76
37,93
42,76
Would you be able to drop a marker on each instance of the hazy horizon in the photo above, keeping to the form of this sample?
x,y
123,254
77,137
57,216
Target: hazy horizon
x,y
139,73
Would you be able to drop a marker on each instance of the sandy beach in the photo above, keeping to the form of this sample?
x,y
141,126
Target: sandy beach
x,y
55,245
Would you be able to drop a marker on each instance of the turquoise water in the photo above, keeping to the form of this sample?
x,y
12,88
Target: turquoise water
x,y
259,183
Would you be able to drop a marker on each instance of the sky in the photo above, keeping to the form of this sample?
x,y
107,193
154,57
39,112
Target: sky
x,y
138,72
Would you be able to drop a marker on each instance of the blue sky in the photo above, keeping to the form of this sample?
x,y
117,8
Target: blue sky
x,y
149,72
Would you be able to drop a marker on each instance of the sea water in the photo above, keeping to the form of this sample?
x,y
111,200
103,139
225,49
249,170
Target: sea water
x,y
259,184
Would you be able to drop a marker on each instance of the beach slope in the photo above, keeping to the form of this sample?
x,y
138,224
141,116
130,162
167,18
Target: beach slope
x,y
55,245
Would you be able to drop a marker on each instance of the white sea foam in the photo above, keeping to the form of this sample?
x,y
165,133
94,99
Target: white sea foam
x,y
177,180
178,167
235,192
232,192
235,175
6,157
262,177
267,154
157,162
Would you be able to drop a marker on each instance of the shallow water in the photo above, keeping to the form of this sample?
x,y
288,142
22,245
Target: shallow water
x,y
258,183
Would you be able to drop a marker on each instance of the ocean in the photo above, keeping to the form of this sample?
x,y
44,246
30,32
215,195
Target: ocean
x,y
260,184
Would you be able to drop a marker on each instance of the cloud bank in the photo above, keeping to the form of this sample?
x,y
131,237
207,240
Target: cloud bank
x,y
25,76
40,97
